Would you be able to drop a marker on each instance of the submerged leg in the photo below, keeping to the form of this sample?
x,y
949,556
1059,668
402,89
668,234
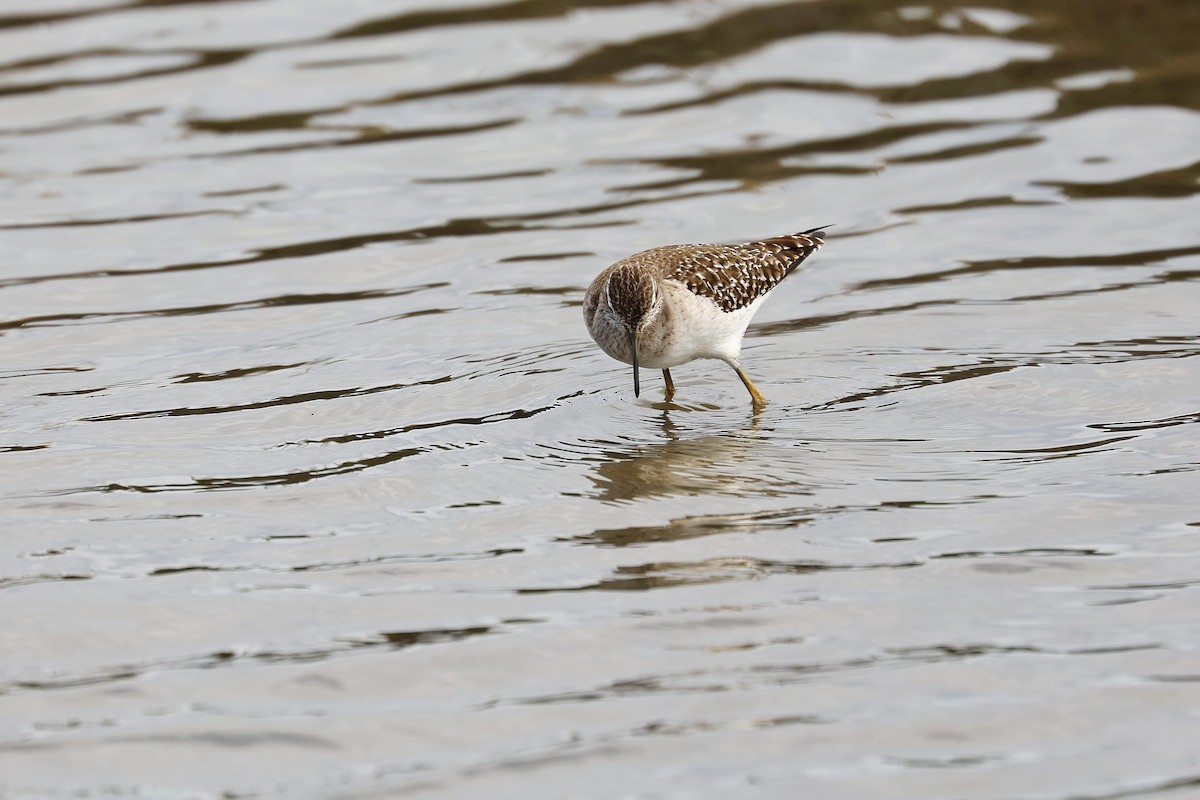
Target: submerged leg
x,y
670,384
755,396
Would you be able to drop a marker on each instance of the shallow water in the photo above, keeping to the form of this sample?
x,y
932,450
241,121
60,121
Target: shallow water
x,y
314,486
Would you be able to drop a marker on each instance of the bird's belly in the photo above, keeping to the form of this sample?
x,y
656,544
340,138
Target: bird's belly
x,y
702,331
675,351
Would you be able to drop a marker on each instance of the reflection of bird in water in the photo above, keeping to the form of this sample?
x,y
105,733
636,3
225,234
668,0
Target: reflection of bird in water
x,y
735,465
705,465
664,307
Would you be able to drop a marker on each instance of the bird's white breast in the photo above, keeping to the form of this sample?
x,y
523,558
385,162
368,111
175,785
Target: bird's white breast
x,y
692,327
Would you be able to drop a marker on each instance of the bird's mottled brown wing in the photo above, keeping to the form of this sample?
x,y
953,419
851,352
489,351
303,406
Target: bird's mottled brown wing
x,y
734,276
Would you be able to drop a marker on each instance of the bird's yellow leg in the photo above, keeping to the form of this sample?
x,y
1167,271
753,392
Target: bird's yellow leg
x,y
670,385
755,396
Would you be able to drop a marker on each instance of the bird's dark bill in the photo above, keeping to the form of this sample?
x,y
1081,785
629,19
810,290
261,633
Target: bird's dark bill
x,y
637,382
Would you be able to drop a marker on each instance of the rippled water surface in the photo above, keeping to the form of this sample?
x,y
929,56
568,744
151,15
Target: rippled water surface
x,y
314,486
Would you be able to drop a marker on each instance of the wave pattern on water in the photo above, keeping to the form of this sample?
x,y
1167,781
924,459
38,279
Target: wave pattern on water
x,y
311,471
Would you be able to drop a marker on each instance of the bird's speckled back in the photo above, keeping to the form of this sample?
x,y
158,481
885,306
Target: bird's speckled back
x,y
732,276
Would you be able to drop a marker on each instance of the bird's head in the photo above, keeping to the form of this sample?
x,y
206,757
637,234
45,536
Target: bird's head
x,y
633,299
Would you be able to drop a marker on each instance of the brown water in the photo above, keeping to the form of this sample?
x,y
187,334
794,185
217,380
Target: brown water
x,y
314,486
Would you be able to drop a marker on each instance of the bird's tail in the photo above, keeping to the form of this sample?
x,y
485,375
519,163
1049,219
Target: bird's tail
x,y
804,243
792,249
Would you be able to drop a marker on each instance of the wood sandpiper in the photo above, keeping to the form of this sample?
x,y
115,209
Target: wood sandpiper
x,y
664,307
